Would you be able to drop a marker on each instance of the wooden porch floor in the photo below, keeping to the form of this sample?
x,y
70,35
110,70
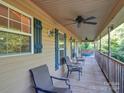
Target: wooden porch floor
x,y
92,79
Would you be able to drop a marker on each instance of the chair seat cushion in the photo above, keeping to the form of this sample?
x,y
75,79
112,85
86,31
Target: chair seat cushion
x,y
62,90
75,69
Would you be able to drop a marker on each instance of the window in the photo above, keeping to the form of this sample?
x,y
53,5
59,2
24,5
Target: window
x,y
15,31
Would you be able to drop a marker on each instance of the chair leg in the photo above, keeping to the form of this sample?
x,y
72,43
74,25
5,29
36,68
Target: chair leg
x,y
81,72
71,91
67,73
79,75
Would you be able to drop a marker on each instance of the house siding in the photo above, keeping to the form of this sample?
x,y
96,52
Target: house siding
x,y
14,71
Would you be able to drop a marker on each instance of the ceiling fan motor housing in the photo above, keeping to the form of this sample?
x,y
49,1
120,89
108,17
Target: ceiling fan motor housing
x,y
79,19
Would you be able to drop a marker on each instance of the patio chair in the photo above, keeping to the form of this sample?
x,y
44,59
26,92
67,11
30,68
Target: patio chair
x,y
43,81
73,67
80,60
73,62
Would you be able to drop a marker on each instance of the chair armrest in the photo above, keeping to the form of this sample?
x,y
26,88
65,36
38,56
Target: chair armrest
x,y
75,66
44,90
63,79
77,63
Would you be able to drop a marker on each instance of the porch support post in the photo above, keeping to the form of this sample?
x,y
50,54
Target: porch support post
x,y
100,42
109,48
109,42
110,28
94,50
94,45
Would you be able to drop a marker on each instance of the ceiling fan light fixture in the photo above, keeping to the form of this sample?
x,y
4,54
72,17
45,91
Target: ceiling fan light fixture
x,y
86,39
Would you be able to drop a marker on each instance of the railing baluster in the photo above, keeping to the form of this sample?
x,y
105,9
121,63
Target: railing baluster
x,y
113,69
118,78
122,79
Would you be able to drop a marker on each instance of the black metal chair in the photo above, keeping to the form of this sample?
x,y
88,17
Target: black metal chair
x,y
80,60
43,81
72,67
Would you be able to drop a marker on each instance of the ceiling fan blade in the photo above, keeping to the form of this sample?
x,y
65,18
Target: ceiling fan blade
x,y
69,24
90,18
92,23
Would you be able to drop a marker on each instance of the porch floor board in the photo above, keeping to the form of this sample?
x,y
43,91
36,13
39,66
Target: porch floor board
x,y
92,79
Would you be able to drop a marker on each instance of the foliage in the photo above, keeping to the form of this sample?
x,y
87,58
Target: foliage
x,y
104,45
117,43
86,46
13,43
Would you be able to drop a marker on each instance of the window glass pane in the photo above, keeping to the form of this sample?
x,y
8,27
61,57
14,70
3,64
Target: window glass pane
x,y
61,40
15,15
14,43
25,20
15,26
3,22
25,28
26,45
3,10
3,43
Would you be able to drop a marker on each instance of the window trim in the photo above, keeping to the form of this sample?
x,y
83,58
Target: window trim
x,y
21,33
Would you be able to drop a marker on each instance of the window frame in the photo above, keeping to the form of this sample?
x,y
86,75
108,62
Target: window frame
x,y
17,32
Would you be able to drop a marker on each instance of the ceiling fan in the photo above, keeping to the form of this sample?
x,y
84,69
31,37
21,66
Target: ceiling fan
x,y
79,19
86,39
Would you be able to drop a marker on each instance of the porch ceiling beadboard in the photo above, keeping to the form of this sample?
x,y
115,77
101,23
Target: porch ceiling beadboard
x,y
61,10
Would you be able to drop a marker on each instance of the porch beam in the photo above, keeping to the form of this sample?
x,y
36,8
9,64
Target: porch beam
x,y
87,40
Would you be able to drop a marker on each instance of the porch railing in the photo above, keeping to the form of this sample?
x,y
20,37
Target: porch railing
x,y
113,71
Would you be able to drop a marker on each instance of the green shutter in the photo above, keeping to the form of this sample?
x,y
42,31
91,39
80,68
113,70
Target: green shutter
x,y
37,36
65,44
71,45
56,49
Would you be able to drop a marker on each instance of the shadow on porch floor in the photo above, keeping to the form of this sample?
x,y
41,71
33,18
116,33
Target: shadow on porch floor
x,y
92,79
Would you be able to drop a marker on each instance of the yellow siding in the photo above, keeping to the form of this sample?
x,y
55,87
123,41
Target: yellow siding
x,y
14,71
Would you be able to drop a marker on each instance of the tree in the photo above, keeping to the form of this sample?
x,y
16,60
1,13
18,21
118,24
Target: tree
x,y
86,46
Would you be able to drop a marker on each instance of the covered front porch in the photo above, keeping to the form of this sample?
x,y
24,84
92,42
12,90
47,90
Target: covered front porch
x,y
34,33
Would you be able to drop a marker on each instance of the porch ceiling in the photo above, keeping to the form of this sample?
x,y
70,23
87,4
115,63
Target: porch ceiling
x,y
61,10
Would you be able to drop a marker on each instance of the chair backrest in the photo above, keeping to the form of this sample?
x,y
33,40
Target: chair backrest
x,y
41,77
67,60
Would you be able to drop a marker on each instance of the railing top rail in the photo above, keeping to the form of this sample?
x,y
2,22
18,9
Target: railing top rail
x,y
115,60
